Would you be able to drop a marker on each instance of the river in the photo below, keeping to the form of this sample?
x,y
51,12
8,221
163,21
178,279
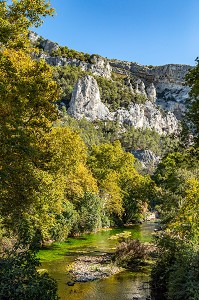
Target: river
x,y
122,286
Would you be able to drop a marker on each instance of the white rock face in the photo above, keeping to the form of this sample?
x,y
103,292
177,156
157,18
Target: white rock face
x,y
146,157
140,87
100,66
34,37
169,81
148,116
151,92
49,46
172,97
85,101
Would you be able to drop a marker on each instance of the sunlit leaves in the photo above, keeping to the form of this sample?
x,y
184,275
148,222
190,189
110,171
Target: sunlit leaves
x,y
18,17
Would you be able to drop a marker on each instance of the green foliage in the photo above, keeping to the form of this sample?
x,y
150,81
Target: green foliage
x,y
115,94
175,272
19,278
70,53
183,279
192,79
136,139
131,254
16,19
66,78
90,211
65,222
91,133
122,188
130,138
28,93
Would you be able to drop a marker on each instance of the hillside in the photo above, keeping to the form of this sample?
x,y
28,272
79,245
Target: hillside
x,y
132,99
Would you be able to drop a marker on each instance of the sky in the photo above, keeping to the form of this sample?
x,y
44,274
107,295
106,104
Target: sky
x,y
149,32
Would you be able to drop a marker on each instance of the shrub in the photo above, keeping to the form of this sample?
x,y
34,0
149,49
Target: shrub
x,y
19,278
130,253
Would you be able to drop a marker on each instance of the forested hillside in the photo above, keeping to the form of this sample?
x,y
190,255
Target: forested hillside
x,y
61,176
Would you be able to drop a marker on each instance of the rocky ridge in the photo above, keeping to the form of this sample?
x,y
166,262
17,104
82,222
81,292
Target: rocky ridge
x,y
168,81
163,86
86,102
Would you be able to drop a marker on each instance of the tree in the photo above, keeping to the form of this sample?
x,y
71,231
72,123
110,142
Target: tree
x,y
19,278
176,267
121,186
80,208
27,111
17,18
29,191
192,79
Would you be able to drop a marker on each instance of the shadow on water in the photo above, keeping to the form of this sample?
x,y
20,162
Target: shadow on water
x,y
123,286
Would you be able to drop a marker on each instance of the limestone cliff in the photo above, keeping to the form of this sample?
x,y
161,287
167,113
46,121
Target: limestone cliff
x,y
86,102
162,86
168,81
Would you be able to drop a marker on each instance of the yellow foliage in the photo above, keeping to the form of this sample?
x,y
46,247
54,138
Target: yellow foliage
x,y
186,223
18,17
112,194
79,182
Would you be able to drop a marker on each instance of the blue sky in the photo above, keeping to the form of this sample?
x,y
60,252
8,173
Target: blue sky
x,y
150,32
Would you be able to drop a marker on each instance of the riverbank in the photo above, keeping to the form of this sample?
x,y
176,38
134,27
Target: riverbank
x,y
58,259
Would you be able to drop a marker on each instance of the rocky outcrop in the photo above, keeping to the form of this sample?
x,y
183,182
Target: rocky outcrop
x,y
164,84
171,73
151,92
173,97
33,37
147,158
85,101
49,46
140,87
148,116
98,65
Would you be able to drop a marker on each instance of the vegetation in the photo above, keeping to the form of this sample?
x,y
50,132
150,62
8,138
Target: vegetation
x,y
130,138
20,279
70,53
193,112
130,253
116,94
27,188
175,275
113,92
60,178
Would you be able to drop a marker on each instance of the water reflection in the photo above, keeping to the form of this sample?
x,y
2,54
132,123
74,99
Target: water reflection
x,y
123,286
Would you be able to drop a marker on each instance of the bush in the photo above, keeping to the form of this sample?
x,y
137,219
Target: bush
x,y
19,278
130,253
90,211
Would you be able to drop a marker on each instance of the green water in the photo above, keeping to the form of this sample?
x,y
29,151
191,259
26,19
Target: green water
x,y
123,286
